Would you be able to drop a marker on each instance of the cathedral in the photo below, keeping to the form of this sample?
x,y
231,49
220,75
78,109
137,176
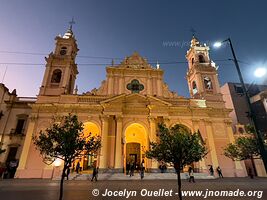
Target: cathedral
x,y
126,109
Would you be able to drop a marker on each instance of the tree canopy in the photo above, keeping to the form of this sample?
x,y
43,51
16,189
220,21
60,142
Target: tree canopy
x,y
65,140
243,148
178,147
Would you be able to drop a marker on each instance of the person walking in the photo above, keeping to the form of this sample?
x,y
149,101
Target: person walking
x,y
219,171
250,173
95,173
142,169
127,168
211,170
78,167
191,175
132,167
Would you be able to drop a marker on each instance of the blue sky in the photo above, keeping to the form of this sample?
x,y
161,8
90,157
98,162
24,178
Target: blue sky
x,y
115,29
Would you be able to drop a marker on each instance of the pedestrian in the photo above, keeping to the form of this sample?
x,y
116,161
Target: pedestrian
x,y
95,173
132,167
250,173
127,168
211,170
191,175
219,171
142,169
78,167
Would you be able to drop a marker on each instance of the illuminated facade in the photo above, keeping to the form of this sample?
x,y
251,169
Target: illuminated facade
x,y
127,107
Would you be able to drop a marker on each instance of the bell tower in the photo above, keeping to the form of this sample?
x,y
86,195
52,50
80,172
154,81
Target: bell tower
x,y
202,73
61,70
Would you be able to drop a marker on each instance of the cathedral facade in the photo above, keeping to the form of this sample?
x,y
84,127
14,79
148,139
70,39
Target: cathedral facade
x,y
126,109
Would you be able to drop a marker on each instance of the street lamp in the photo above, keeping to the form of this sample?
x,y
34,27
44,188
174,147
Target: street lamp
x,y
56,164
260,72
251,113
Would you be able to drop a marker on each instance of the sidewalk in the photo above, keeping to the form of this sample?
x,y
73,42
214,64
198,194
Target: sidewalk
x,y
148,176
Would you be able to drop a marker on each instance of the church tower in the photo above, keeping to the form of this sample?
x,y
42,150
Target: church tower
x,y
61,70
202,74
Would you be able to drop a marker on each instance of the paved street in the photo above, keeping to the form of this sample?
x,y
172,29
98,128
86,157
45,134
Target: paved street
x,y
80,190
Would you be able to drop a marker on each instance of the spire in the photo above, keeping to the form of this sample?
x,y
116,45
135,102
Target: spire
x,y
71,23
69,32
194,41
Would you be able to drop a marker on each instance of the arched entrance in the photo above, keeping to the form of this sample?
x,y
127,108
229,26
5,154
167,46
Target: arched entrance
x,y
136,139
87,161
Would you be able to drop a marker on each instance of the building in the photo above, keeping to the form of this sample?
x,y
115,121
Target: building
x,y
235,99
126,108
14,118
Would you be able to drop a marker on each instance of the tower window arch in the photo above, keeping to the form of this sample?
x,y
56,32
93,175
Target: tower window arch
x,y
194,87
207,83
201,59
56,76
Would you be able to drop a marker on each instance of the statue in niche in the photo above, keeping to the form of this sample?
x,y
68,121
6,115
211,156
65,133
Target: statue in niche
x,y
208,83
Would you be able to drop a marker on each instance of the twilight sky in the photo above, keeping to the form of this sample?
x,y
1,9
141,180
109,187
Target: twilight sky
x,y
117,28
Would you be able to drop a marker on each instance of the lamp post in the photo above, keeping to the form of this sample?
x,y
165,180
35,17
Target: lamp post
x,y
250,110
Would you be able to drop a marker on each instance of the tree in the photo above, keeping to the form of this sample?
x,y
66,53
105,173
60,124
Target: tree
x,y
64,140
178,147
243,148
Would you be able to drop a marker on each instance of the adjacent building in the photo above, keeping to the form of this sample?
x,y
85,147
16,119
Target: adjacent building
x,y
235,99
14,119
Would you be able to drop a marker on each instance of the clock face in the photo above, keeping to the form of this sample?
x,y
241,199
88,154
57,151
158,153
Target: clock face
x,y
63,52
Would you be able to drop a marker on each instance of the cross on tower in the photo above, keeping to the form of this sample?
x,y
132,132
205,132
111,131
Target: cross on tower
x,y
193,31
71,23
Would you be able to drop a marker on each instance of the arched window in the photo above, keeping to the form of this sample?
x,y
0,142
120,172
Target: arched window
x,y
192,61
194,87
201,59
56,76
207,83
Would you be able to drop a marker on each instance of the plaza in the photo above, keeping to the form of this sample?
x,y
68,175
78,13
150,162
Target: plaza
x,y
28,189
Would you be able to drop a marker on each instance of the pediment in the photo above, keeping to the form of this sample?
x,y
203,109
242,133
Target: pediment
x,y
135,99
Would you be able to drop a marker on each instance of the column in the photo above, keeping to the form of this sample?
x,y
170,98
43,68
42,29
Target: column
x,y
110,85
202,163
118,147
148,86
238,167
121,85
159,87
153,138
211,143
26,147
104,143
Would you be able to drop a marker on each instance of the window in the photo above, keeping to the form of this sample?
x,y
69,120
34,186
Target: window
x,y
20,126
207,83
56,76
135,86
12,154
239,89
194,87
201,59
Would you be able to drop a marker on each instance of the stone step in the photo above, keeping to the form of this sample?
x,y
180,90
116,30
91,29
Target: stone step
x,y
148,176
